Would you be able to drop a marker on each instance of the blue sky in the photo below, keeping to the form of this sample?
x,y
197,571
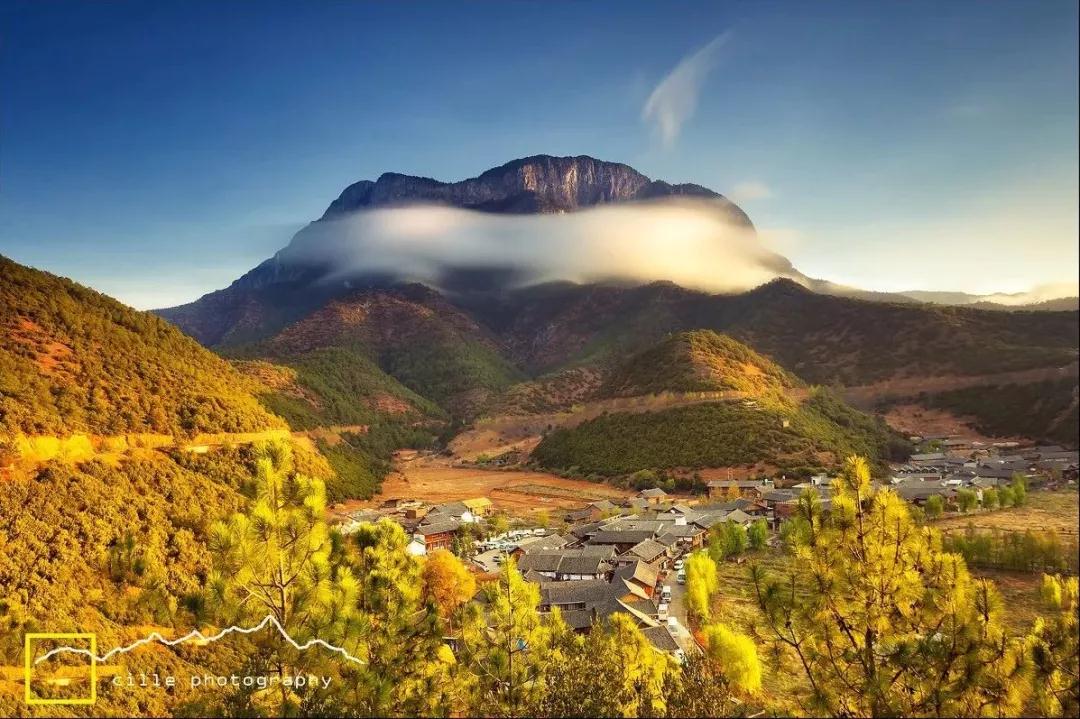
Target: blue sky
x,y
156,151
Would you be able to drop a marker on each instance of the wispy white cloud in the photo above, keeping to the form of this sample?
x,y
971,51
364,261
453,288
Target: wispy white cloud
x,y
675,99
751,190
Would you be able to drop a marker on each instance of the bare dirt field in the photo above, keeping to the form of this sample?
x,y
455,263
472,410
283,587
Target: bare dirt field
x,y
516,492
914,419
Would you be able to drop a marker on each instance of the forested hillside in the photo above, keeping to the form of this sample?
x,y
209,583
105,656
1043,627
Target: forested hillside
x,y
118,542
821,338
1047,411
73,360
785,434
383,370
406,344
699,361
762,414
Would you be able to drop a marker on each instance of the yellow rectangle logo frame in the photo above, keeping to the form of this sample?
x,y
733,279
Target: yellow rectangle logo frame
x,y
78,701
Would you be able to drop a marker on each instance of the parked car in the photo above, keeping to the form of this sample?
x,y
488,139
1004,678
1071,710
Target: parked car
x,y
680,577
679,564
665,594
662,611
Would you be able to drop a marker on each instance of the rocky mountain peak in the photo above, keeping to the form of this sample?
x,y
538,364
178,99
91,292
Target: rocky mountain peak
x,y
530,185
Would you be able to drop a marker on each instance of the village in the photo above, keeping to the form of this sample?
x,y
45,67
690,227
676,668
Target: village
x,y
952,464
625,554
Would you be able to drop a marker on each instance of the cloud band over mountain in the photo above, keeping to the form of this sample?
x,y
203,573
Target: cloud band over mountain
x,y
686,242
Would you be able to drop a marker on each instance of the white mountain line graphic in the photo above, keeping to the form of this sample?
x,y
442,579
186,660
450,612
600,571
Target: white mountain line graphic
x,y
196,635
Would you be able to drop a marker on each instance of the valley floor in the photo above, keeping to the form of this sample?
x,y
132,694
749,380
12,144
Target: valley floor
x,y
517,492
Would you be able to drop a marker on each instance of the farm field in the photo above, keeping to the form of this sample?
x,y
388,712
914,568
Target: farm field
x,y
1057,512
516,492
1020,593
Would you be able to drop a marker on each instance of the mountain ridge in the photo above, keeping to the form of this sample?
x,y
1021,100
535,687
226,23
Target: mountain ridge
x,y
75,360
535,184
291,284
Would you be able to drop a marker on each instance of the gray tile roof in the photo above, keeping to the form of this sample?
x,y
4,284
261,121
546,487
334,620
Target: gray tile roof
x,y
779,495
708,519
454,509
915,491
643,573
660,637
739,516
583,530
601,610
581,591
445,525
740,503
684,531
738,483
582,560
649,550
633,524
633,536
539,544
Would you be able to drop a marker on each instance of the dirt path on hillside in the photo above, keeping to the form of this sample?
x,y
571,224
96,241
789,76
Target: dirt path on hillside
x,y
39,449
867,396
521,433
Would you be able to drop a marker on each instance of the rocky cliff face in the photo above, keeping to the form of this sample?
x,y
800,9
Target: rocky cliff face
x,y
536,184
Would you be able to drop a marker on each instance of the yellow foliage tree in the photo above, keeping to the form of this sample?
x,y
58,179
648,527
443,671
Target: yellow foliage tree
x,y
447,583
275,559
701,584
613,672
736,654
408,670
1054,648
883,622
508,646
